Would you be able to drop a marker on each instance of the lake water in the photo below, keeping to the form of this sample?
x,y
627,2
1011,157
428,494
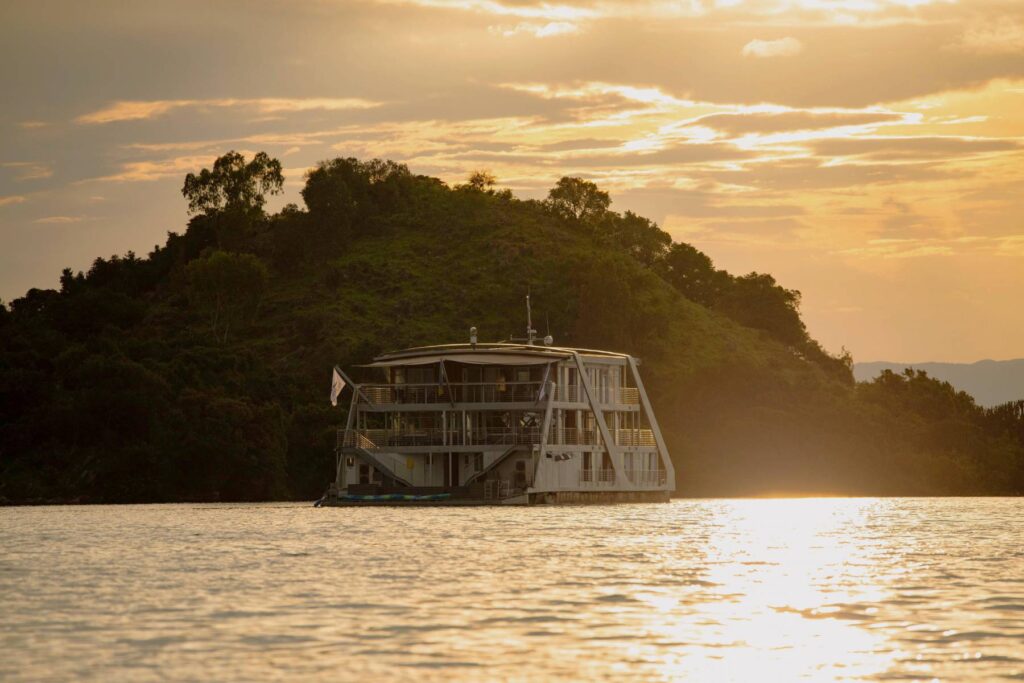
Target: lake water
x,y
702,590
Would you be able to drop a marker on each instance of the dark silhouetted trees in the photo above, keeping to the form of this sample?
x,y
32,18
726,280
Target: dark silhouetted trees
x,y
693,274
227,288
343,193
635,235
197,373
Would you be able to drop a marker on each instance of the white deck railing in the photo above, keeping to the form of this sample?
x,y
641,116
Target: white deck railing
x,y
578,436
574,394
487,392
573,436
633,437
412,436
456,392
385,438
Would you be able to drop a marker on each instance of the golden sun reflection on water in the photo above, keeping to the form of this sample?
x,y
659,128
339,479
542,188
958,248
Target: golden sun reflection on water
x,y
783,570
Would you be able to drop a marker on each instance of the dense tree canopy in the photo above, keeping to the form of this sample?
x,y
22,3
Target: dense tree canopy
x,y
198,372
343,192
227,287
692,273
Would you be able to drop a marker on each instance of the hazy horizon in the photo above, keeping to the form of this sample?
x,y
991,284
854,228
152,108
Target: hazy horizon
x,y
867,154
936,362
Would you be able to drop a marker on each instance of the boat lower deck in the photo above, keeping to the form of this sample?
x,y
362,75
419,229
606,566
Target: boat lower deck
x,y
461,502
470,496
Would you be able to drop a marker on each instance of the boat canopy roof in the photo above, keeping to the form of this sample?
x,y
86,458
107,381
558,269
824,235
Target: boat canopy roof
x,y
484,354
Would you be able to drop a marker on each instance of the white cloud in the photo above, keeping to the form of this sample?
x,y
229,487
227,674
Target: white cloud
x,y
11,199
552,28
783,47
526,10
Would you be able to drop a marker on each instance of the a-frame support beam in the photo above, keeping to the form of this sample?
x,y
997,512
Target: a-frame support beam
x,y
645,402
546,428
614,454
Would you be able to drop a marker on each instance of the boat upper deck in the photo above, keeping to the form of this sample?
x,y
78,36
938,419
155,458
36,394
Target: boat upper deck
x,y
502,353
499,373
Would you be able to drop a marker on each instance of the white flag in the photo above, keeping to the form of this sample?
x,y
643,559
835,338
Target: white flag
x,y
337,384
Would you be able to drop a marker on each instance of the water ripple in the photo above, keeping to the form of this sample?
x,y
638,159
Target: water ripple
x,y
710,590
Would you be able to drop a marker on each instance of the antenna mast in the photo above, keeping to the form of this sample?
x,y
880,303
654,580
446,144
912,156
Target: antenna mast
x,y
531,334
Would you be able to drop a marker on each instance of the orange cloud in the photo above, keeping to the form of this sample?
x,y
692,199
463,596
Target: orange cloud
x,y
133,110
12,199
60,220
29,170
176,167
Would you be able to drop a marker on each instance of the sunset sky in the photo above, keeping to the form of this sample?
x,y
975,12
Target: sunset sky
x,y
866,152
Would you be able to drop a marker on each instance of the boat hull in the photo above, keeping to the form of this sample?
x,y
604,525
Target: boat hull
x,y
545,498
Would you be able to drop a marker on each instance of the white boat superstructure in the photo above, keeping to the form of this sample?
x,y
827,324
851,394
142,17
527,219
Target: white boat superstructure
x,y
508,423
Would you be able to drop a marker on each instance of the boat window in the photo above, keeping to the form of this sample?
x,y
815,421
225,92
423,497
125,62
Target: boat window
x,y
427,375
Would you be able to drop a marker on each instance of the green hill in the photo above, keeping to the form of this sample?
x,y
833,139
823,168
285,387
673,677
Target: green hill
x,y
201,371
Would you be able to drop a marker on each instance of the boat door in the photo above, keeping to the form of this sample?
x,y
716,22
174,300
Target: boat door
x,y
451,469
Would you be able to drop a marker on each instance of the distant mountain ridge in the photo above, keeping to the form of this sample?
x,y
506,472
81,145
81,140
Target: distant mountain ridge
x,y
990,382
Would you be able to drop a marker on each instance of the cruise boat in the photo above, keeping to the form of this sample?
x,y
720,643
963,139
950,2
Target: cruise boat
x,y
512,423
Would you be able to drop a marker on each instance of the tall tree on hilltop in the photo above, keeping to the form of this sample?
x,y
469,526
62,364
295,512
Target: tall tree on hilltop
x,y
233,184
231,196
481,181
578,200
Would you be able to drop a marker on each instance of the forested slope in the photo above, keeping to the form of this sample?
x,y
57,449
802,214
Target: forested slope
x,y
200,372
